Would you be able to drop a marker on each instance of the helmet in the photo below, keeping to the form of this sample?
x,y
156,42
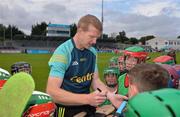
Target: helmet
x,y
134,55
111,70
164,60
4,76
21,66
177,68
39,105
120,59
160,103
136,51
111,82
174,75
113,62
121,63
171,53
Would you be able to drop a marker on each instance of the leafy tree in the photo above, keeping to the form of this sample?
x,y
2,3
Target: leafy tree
x,y
39,29
16,31
2,29
11,29
178,37
133,40
146,38
122,37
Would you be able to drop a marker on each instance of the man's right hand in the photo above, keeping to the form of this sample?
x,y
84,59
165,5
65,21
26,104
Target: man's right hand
x,y
96,98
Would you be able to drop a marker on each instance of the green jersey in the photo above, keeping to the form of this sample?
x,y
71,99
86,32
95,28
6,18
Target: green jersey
x,y
123,84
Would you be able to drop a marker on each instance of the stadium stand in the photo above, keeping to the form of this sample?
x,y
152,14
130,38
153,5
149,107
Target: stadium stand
x,y
23,43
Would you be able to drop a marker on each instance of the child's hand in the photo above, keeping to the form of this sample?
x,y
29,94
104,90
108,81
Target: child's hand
x,y
116,99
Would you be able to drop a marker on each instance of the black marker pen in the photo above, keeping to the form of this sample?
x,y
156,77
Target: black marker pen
x,y
99,89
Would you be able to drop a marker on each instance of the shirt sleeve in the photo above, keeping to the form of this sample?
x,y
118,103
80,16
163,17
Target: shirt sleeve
x,y
58,63
95,53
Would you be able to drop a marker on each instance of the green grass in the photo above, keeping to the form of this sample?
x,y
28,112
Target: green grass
x,y
40,69
39,63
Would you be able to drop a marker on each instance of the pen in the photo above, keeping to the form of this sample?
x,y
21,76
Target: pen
x,y
99,89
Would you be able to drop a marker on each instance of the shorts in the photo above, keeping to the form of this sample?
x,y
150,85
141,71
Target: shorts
x,y
70,111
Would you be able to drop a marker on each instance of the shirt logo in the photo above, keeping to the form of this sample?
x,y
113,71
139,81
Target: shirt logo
x,y
81,79
75,63
82,59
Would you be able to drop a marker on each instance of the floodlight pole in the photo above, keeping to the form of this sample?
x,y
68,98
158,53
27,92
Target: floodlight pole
x,y
102,18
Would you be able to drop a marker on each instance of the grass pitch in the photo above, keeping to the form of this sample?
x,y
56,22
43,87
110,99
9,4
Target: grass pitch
x,y
40,69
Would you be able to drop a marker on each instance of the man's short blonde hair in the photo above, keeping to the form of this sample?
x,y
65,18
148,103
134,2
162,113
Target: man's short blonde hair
x,y
87,20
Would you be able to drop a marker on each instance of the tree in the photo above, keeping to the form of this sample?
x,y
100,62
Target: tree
x,y
39,29
146,38
2,30
12,30
16,31
133,40
122,37
178,37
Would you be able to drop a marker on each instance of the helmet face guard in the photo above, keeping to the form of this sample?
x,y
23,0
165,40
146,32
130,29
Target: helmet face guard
x,y
113,62
139,57
111,75
172,53
21,67
130,62
121,63
111,80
